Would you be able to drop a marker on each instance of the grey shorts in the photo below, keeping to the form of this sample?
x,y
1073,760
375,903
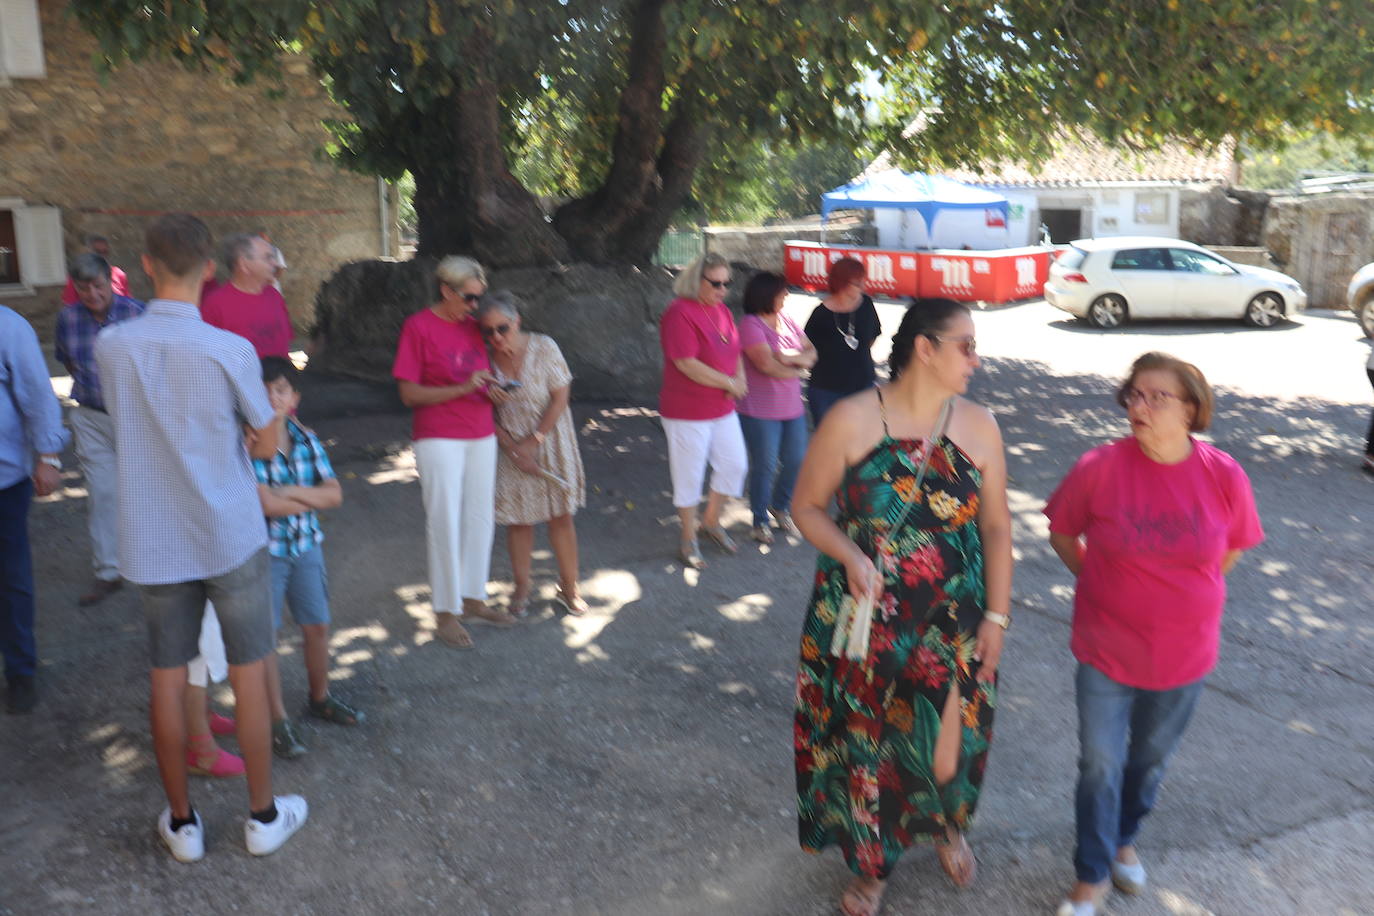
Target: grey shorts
x,y
243,604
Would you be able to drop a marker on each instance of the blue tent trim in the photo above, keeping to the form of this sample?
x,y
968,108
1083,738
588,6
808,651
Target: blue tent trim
x,y
926,194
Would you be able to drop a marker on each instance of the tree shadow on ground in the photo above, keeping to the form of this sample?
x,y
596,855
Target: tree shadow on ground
x,y
643,753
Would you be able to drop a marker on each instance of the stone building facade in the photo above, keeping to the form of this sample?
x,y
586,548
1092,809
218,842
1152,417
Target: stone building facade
x,y
83,153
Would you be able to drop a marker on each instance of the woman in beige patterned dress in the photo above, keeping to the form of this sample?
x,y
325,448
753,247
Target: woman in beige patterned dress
x,y
539,475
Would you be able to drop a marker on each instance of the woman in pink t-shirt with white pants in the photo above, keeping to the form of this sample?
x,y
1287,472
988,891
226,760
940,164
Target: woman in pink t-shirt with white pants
x,y
1150,525
703,376
444,375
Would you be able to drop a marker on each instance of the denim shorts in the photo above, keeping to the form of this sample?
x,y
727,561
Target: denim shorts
x,y
300,582
243,604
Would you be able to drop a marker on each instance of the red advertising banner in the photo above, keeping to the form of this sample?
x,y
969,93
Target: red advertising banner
x,y
1003,275
887,273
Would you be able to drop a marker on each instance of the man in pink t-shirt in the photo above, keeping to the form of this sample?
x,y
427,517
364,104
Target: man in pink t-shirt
x,y
248,305
119,281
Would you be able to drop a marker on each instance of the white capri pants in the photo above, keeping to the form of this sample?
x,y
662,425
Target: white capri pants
x,y
211,664
693,444
458,482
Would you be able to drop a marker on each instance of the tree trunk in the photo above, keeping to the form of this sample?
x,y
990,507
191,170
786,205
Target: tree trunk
x,y
466,199
683,148
595,226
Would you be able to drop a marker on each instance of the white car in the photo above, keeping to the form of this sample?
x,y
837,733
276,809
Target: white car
x,y
1108,281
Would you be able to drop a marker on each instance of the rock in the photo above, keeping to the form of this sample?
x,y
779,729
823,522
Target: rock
x,y
605,319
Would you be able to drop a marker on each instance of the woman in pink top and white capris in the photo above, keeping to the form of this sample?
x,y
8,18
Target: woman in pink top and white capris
x,y
703,376
1150,525
443,374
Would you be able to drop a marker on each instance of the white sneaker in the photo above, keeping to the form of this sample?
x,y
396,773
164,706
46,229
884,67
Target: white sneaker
x,y
1070,908
265,839
1129,879
188,843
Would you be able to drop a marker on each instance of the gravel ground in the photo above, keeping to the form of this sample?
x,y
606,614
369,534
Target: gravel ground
x,y
638,760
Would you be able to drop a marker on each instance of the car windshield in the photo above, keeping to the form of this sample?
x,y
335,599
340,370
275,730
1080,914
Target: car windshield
x,y
1071,258
1198,263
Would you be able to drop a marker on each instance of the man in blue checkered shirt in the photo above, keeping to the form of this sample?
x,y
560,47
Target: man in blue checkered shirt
x,y
294,484
97,307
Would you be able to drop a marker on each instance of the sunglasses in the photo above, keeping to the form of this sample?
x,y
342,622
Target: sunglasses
x,y
718,284
968,344
470,298
502,329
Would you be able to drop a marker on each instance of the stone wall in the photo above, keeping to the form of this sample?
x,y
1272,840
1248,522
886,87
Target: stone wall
x,y
1321,240
1254,256
1221,216
762,247
605,319
114,152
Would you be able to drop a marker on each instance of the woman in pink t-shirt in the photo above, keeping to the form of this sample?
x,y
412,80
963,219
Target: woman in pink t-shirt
x,y
703,376
777,355
443,373
1150,525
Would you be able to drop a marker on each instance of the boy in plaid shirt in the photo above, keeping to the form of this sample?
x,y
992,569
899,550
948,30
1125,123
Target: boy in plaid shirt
x,y
294,484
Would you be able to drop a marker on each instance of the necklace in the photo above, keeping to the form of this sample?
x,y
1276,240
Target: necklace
x,y
711,317
850,339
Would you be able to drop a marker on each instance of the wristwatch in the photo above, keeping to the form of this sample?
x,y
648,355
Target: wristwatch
x,y
51,461
1002,620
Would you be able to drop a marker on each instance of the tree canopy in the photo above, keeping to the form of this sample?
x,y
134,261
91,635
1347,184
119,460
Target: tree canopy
x,y
615,108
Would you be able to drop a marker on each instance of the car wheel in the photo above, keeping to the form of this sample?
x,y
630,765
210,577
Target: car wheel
x,y
1107,312
1366,316
1264,311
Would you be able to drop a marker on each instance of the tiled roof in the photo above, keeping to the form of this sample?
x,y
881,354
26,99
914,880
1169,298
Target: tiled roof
x,y
1087,160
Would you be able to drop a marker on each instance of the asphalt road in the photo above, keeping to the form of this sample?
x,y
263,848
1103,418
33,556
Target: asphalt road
x,y
638,761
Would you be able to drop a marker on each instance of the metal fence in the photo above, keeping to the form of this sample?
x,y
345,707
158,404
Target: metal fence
x,y
678,248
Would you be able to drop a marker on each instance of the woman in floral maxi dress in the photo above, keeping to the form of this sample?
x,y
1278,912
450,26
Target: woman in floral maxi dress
x,y
890,749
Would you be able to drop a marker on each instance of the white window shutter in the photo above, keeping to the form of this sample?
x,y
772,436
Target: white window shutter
x,y
21,40
42,260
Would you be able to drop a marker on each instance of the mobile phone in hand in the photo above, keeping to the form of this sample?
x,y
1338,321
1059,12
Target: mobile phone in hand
x,y
511,384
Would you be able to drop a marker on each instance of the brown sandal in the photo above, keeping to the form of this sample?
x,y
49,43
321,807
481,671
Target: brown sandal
x,y
861,899
958,861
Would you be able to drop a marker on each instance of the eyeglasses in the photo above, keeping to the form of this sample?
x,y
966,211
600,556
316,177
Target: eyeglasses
x,y
718,284
1156,399
470,298
502,329
968,344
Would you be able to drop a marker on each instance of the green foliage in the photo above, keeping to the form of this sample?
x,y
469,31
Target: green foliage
x,y
767,180
1282,168
778,82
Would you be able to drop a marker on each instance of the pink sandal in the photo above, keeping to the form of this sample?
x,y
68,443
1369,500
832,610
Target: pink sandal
x,y
226,765
221,725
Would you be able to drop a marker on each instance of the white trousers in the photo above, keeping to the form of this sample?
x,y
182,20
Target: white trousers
x,y
693,444
211,664
458,482
95,452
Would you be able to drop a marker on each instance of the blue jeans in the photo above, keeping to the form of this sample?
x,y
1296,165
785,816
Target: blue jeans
x,y
16,581
819,400
1125,738
776,449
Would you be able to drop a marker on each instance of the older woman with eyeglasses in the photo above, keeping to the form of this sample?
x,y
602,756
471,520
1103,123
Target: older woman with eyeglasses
x,y
703,376
444,375
539,477
1149,525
